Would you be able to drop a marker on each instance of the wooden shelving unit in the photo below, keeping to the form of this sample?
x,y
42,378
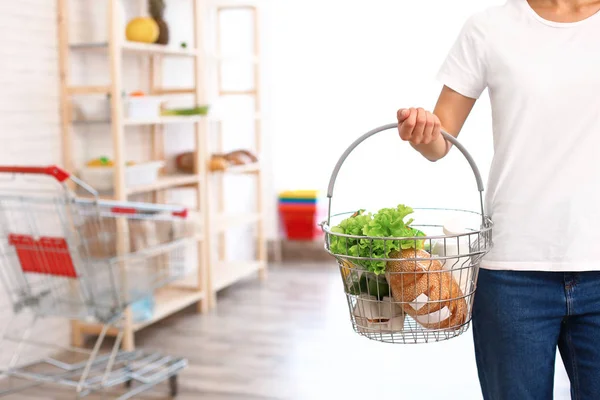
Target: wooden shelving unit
x,y
223,272
174,297
213,272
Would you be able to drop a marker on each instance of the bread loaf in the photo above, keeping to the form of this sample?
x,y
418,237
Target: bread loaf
x,y
409,279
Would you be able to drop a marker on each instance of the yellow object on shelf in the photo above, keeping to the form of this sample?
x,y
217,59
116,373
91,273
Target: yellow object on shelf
x,y
142,29
100,162
299,194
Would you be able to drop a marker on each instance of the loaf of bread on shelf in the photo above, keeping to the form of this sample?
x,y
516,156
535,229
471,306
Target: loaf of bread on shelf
x,y
218,162
431,290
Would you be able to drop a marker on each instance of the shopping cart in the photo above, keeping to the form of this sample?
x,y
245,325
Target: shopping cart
x,y
417,288
82,258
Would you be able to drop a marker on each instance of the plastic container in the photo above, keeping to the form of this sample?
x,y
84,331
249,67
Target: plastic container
x,y
300,194
142,107
143,174
143,309
300,212
300,221
102,178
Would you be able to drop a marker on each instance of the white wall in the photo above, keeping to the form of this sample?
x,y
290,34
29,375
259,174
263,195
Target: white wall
x,y
340,68
29,82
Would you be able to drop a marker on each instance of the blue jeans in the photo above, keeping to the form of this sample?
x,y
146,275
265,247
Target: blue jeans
x,y
519,320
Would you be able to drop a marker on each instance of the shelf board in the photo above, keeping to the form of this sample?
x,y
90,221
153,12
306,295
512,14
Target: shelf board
x,y
91,122
169,300
165,182
252,168
227,221
163,120
87,90
140,122
249,92
140,48
243,58
228,272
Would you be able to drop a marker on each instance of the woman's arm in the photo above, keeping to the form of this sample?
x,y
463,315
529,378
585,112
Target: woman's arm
x,y
422,128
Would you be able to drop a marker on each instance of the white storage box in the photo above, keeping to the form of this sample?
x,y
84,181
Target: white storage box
x,y
102,178
143,174
142,107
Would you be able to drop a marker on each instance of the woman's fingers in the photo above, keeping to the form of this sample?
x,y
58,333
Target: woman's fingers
x,y
419,130
418,126
407,125
428,130
403,113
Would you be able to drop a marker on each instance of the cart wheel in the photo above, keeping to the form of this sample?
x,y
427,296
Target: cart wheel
x,y
173,386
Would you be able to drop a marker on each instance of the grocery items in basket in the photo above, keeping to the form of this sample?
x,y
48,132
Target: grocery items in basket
x,y
374,309
99,173
387,222
409,280
454,246
299,212
373,315
417,281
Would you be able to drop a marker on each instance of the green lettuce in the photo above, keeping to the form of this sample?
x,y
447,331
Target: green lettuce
x,y
386,223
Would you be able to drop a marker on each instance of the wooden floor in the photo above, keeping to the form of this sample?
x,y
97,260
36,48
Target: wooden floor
x,y
290,338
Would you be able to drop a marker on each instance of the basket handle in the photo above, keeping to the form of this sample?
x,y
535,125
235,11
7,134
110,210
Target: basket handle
x,y
58,173
367,135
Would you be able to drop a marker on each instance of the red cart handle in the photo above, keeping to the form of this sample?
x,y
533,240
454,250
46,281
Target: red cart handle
x,y
60,174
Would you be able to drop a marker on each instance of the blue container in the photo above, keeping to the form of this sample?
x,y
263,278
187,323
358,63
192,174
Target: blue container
x,y
298,201
143,309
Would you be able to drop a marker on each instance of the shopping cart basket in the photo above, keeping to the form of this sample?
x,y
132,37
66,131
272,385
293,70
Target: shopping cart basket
x,y
86,259
417,288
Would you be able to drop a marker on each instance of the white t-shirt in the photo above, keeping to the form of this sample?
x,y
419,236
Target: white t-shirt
x,y
543,79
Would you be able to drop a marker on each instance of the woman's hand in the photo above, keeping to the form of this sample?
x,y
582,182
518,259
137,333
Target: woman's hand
x,y
423,129
418,126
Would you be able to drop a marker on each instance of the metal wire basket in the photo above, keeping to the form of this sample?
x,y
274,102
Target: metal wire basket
x,y
417,288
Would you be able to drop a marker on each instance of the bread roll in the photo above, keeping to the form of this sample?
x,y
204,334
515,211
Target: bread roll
x,y
409,279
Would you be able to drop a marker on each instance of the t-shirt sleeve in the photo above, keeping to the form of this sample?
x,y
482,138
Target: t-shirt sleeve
x,y
464,69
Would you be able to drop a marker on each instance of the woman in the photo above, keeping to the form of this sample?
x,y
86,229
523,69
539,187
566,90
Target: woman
x,y
538,288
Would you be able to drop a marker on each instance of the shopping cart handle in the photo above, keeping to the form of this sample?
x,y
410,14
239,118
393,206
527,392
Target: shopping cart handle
x,y
60,174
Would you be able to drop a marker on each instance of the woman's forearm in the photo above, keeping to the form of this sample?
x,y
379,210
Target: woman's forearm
x,y
435,150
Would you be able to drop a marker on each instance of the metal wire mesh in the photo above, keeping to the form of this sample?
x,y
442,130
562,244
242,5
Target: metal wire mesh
x,y
80,258
423,290
77,258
